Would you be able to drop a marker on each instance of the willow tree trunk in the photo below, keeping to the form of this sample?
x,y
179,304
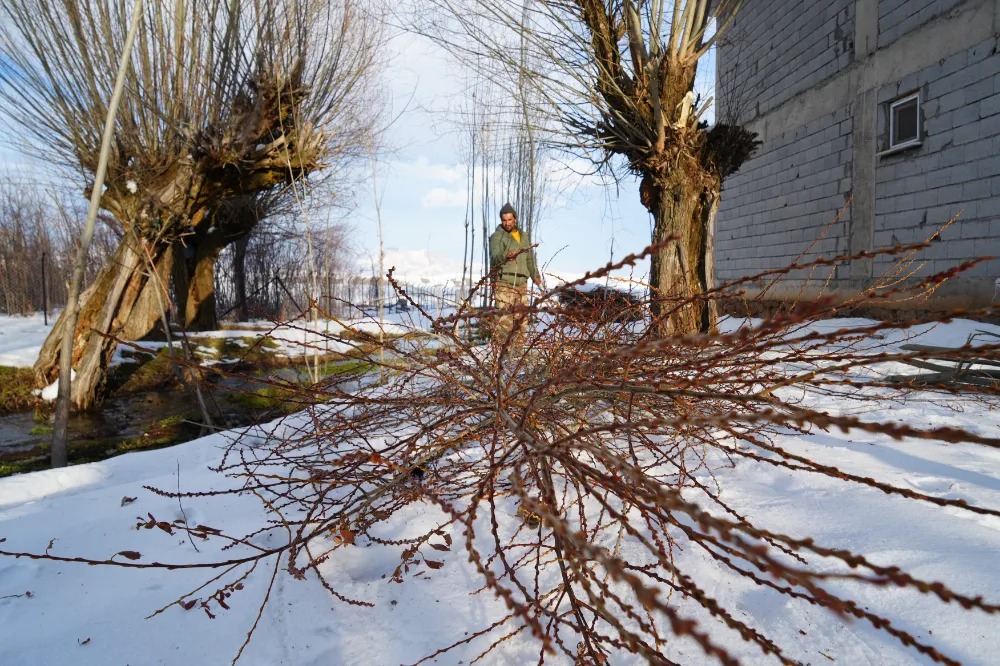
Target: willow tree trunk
x,y
121,303
199,306
681,272
194,281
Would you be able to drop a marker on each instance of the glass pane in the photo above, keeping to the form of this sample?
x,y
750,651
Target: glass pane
x,y
904,122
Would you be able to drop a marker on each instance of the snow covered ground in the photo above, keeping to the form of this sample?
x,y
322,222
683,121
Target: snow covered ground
x,y
95,615
304,337
21,339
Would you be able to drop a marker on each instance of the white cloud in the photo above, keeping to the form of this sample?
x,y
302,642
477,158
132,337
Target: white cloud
x,y
440,197
421,169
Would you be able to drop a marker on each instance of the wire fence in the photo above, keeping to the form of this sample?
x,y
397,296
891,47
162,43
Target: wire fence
x,y
26,287
281,297
32,283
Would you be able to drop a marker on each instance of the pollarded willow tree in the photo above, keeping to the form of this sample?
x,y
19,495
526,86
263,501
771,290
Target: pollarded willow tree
x,y
228,103
616,79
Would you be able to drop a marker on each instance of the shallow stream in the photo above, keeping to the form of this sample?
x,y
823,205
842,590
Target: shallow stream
x,y
129,416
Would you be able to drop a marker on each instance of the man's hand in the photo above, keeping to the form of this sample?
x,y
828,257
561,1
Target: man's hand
x,y
539,282
511,254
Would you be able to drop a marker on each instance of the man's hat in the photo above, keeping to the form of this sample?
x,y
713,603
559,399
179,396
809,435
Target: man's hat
x,y
507,208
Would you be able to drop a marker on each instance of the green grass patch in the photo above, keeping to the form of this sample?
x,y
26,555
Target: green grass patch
x,y
147,372
16,389
350,367
171,421
146,441
243,326
270,398
41,430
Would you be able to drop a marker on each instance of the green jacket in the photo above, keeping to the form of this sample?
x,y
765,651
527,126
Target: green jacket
x,y
518,271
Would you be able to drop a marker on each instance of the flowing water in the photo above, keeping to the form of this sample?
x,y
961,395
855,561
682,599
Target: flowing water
x,y
134,415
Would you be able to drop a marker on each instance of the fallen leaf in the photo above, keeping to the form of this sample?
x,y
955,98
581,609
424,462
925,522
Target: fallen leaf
x,y
82,642
128,500
434,565
347,535
827,656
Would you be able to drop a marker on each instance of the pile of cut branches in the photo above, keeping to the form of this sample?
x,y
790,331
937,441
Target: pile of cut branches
x,y
594,434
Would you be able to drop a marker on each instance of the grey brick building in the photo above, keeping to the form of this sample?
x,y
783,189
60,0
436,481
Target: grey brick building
x,y
886,112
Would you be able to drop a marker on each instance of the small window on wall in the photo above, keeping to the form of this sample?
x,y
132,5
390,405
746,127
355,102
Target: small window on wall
x,y
904,122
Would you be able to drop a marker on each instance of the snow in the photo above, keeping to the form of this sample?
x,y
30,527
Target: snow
x,y
95,615
306,337
25,489
421,267
21,339
51,392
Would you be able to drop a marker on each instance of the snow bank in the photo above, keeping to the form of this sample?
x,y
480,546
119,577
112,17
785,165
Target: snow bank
x,y
306,337
51,392
21,339
99,611
27,488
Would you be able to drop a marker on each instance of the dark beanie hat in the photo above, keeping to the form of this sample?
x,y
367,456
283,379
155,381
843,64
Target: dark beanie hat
x,y
507,208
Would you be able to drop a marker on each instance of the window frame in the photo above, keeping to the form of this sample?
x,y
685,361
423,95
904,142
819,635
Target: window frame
x,y
910,143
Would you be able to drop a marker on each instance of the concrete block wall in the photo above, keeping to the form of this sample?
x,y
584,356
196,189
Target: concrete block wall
x,y
778,48
949,51
782,199
956,170
898,17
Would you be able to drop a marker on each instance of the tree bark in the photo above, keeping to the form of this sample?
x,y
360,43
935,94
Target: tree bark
x,y
118,302
682,270
180,275
194,278
145,315
199,308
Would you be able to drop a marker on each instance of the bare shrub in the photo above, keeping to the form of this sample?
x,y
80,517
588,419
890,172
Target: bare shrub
x,y
595,433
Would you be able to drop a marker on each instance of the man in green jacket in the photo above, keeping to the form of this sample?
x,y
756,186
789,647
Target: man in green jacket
x,y
511,278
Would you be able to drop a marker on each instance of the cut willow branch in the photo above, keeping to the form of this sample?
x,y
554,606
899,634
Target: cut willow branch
x,y
538,458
